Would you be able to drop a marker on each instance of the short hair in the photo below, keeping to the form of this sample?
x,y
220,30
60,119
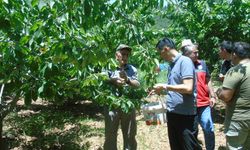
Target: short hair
x,y
227,45
188,48
242,49
165,42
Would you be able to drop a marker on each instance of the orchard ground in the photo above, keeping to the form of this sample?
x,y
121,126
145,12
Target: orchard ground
x,y
81,126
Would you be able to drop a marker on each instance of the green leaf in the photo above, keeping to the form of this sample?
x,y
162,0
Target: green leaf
x,y
34,3
36,26
50,65
41,89
24,40
156,61
41,4
6,1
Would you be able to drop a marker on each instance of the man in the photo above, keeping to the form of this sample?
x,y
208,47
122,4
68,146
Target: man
x,y
124,75
235,93
181,104
205,94
225,54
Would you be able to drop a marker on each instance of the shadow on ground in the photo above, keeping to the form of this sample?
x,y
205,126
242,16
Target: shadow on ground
x,y
51,127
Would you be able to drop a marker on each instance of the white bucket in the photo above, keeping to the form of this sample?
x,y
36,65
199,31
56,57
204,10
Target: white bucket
x,y
155,113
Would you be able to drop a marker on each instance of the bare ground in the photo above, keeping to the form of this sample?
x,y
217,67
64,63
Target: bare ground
x,y
155,137
152,137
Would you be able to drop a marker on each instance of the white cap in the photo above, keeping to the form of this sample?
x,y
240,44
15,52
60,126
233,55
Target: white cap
x,y
186,42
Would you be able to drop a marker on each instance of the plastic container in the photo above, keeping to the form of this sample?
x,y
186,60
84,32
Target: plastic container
x,y
155,113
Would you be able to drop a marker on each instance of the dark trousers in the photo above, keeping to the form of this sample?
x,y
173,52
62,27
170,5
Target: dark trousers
x,y
113,118
181,130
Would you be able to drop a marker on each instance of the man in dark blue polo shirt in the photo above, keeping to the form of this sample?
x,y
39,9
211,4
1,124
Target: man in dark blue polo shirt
x,y
124,75
181,101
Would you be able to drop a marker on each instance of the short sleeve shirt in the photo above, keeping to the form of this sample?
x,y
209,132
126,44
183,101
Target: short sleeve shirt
x,y
184,104
202,73
226,65
131,73
129,69
238,78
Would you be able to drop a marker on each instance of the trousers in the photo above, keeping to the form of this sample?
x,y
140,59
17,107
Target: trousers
x,y
113,118
181,130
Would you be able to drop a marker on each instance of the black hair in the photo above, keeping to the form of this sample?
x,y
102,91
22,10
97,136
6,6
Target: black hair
x,y
227,45
242,49
165,42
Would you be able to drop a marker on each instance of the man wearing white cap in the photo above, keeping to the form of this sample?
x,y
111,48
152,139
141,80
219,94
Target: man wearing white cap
x,y
205,94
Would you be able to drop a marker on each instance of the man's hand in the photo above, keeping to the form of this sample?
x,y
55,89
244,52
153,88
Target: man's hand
x,y
212,101
159,87
118,81
221,77
123,75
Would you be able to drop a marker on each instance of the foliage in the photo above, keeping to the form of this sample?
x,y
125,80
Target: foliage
x,y
208,23
56,49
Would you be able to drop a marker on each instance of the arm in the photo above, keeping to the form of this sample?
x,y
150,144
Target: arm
x,y
225,94
185,88
133,83
221,77
211,92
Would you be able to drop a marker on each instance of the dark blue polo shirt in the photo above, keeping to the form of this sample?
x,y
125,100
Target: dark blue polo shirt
x,y
129,69
185,104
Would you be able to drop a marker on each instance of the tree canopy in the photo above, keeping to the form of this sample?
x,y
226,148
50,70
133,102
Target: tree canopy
x,y
57,50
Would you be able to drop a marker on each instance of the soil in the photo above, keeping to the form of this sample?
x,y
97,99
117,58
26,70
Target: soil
x,y
153,137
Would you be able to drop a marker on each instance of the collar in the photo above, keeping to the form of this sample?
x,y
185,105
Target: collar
x,y
176,58
125,67
198,62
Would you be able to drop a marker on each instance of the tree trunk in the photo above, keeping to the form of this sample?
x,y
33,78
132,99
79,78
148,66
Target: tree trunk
x,y
3,141
1,135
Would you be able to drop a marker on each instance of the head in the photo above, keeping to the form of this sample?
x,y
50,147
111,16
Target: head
x,y
190,51
164,47
186,42
122,54
226,48
241,50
